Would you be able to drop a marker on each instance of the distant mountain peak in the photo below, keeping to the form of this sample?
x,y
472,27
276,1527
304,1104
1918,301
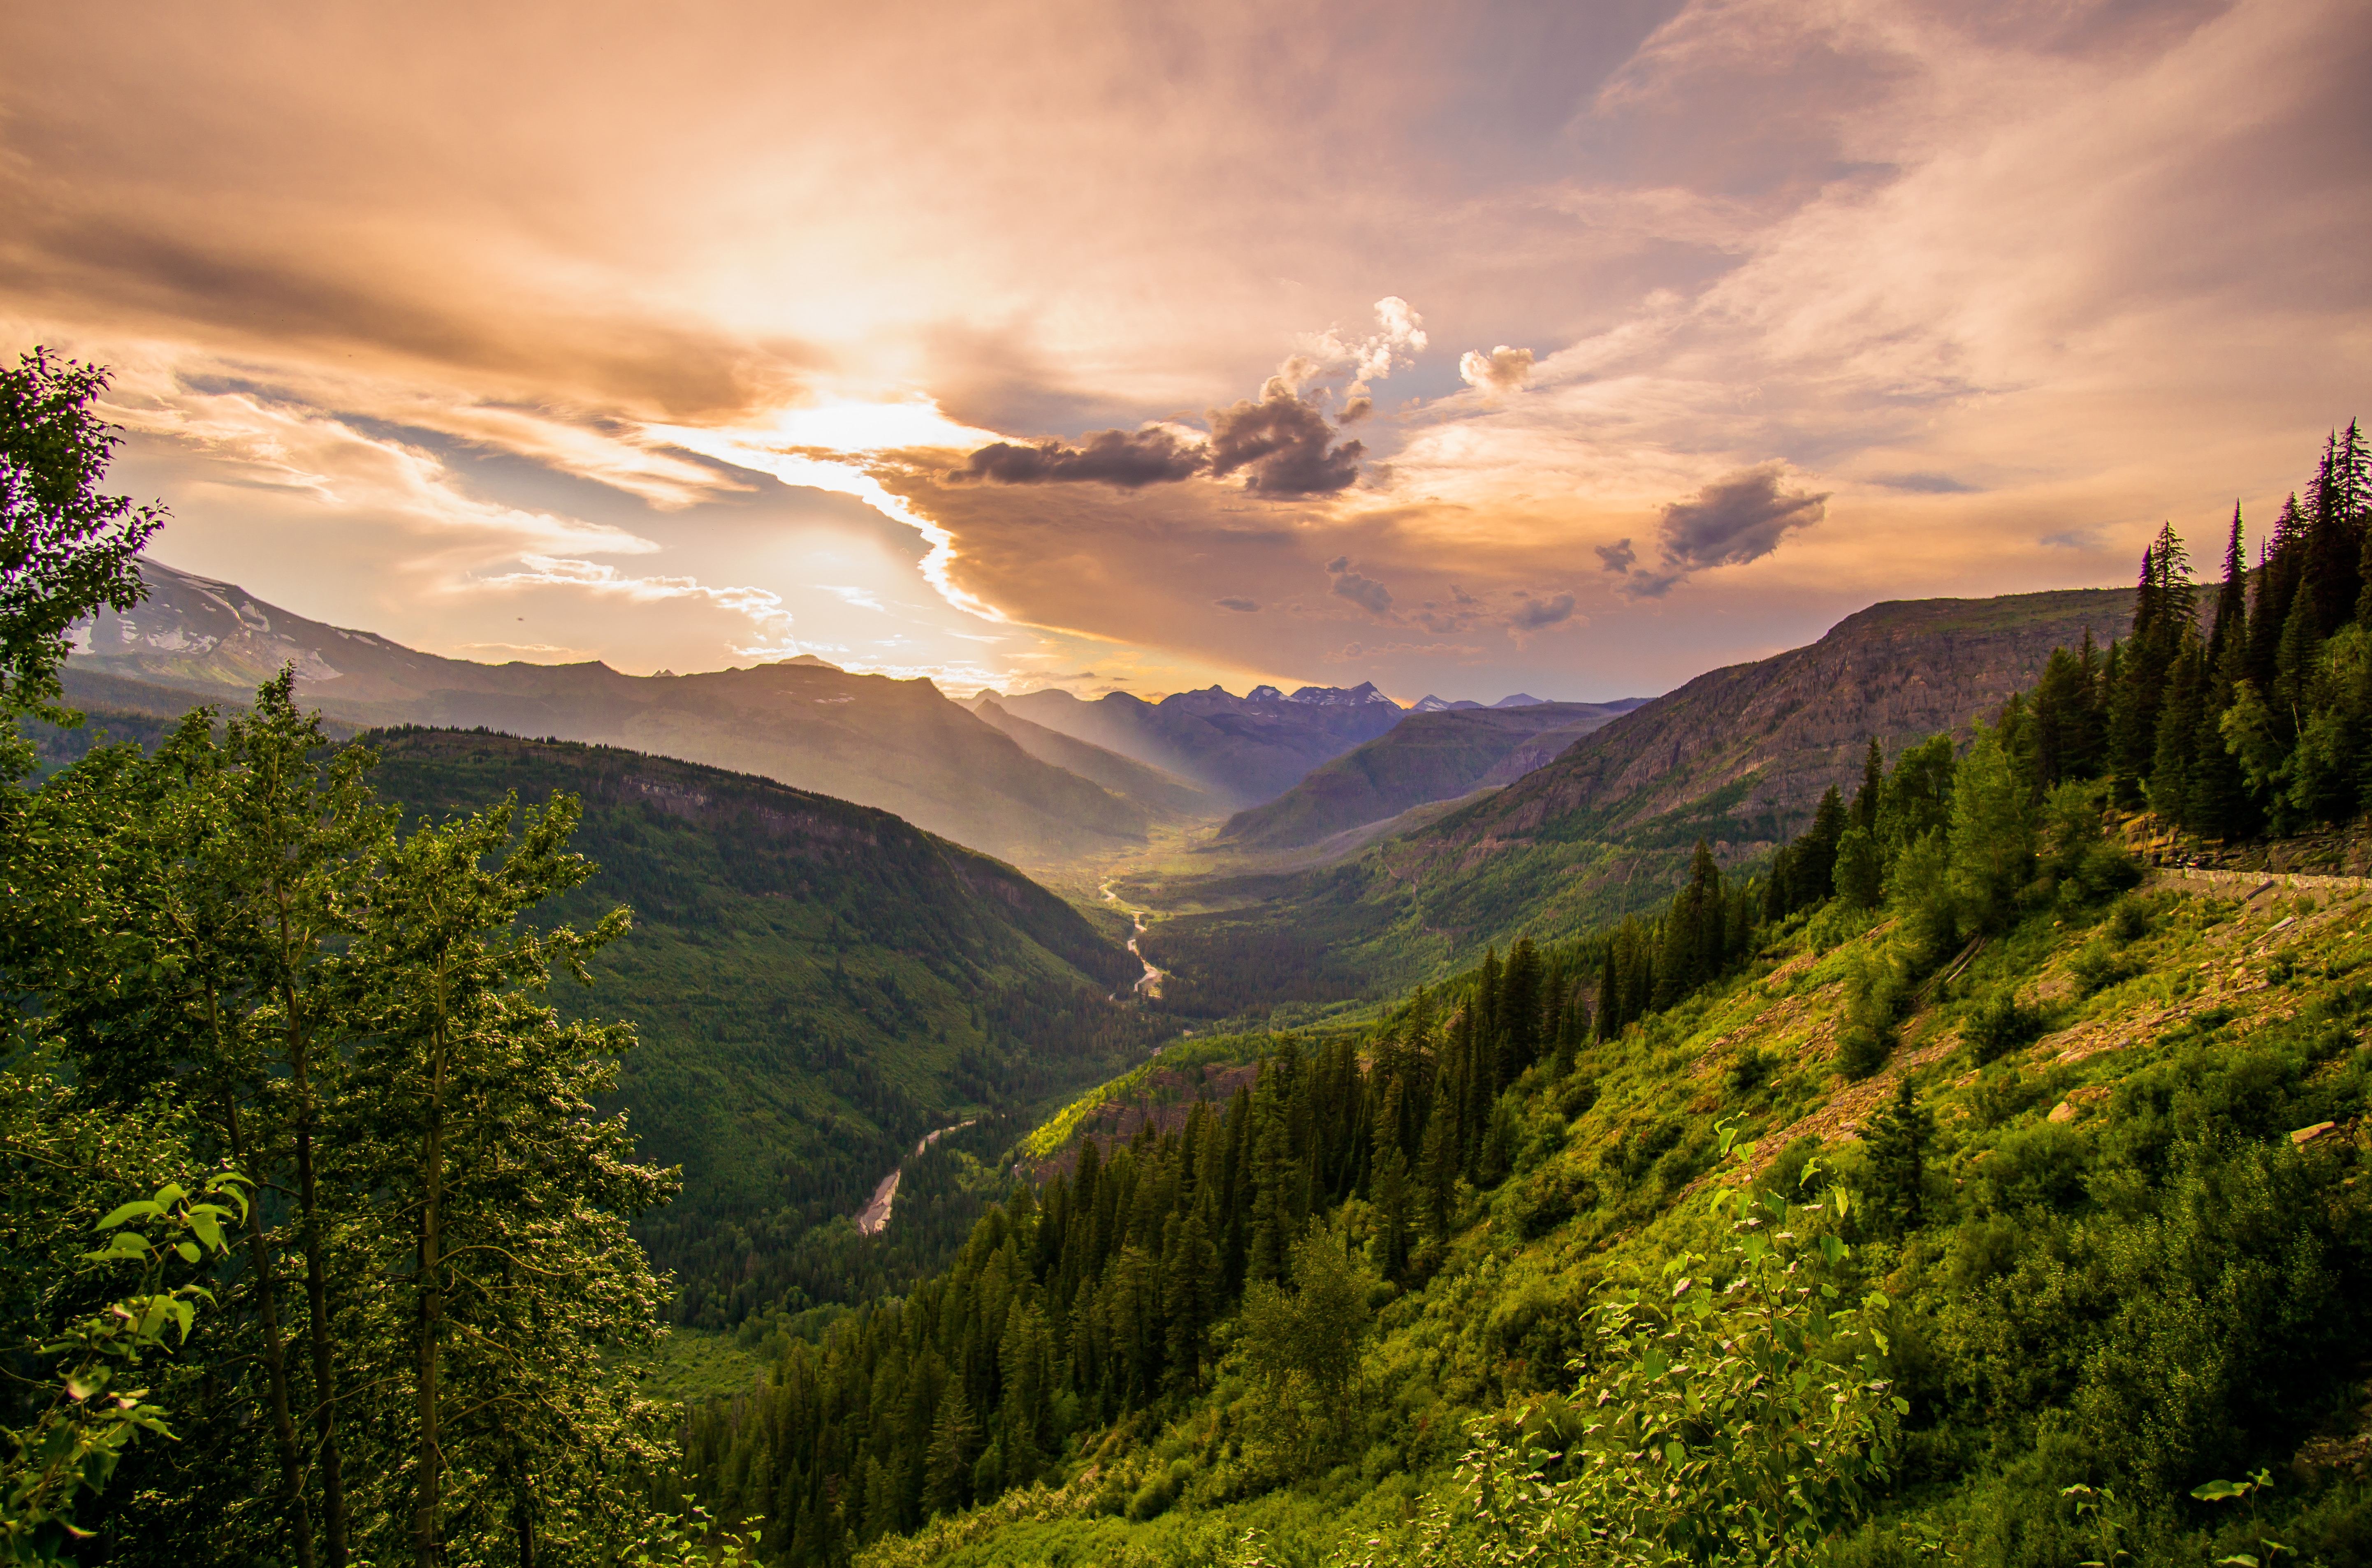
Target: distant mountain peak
x,y
1336,696
1429,704
1263,694
812,662
1520,699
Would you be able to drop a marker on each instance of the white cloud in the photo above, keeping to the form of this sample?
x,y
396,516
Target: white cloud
x,y
1504,369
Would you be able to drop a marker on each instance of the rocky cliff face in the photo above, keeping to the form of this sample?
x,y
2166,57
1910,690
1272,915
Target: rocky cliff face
x,y
1768,738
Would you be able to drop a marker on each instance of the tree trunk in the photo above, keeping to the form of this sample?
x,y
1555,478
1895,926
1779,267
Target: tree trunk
x,y
317,1289
427,1549
276,1358
317,1301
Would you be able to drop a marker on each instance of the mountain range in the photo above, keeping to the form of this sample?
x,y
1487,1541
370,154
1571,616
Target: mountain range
x,y
897,745
1042,779
1429,704
1241,750
1435,754
1737,757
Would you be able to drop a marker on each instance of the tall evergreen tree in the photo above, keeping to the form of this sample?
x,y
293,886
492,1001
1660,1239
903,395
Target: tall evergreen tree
x,y
2232,599
1873,788
2334,542
1898,1142
2182,720
1812,859
2277,577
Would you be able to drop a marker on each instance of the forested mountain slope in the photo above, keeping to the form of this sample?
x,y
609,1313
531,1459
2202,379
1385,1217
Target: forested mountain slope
x,y
1426,756
2118,1137
816,985
897,745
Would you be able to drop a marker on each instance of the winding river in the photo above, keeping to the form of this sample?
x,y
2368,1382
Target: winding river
x,y
1148,984
871,1218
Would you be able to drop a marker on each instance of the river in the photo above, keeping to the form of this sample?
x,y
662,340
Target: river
x,y
871,1218
1148,984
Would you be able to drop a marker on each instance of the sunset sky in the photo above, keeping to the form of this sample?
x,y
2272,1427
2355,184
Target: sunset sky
x,y
1571,348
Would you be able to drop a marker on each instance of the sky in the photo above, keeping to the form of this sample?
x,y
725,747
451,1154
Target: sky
x,y
1574,349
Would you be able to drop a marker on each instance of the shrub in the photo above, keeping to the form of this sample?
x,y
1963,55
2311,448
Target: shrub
x,y
2001,1025
1862,1052
1632,1471
2099,965
1999,1096
2129,920
1751,1068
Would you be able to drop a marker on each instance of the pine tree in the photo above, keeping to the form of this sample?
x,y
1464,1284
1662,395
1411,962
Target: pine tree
x,y
1606,1017
2334,543
2066,719
1991,845
2163,618
1898,1140
1860,874
1438,1162
946,1465
1392,1202
2232,599
1518,1010
2220,802
1812,861
2174,765
2277,582
1873,788
1694,930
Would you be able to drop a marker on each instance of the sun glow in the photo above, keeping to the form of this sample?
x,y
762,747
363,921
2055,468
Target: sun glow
x,y
821,447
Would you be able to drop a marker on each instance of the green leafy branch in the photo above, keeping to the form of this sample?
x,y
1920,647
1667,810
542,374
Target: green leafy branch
x,y
73,1445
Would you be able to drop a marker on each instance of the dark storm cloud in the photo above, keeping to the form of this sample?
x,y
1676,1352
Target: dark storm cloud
x,y
1280,443
1244,606
1364,592
1533,614
1619,556
1735,520
1130,459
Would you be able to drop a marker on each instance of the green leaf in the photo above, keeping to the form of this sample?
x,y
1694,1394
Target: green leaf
x,y
2218,1491
189,1252
140,1209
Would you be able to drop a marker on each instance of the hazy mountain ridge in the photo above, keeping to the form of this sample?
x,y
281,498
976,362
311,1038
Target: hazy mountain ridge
x,y
1242,749
1429,756
1154,788
897,745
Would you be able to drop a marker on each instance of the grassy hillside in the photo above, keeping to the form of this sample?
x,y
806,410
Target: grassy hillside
x,y
816,984
2121,1242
